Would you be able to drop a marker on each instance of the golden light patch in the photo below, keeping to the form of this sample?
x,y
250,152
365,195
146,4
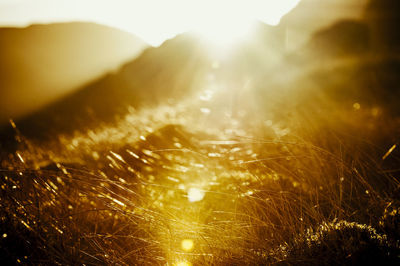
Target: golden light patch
x,y
195,194
187,244
183,263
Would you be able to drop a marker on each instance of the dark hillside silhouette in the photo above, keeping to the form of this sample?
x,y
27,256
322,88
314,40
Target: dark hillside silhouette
x,y
383,17
157,76
42,63
310,16
344,38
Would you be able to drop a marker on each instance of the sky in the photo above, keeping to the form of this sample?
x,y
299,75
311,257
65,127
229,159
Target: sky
x,y
154,21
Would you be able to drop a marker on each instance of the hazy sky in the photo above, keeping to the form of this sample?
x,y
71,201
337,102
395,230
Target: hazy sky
x,y
152,20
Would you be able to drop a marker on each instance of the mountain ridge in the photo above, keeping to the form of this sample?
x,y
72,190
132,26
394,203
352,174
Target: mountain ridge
x,y
42,62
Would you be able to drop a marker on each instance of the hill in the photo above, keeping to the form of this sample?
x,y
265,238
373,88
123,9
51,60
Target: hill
x,y
310,16
164,74
158,75
383,17
42,63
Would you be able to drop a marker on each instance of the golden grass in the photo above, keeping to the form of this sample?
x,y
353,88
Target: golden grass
x,y
295,190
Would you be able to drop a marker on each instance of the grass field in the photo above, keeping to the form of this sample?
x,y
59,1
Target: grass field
x,y
298,172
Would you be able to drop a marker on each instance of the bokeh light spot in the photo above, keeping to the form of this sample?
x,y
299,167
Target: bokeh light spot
x,y
195,194
183,263
187,244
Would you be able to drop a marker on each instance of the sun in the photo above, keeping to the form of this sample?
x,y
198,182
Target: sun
x,y
222,22
224,31
225,22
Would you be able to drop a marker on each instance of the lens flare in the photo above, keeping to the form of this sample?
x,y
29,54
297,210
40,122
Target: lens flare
x,y
183,263
195,194
187,244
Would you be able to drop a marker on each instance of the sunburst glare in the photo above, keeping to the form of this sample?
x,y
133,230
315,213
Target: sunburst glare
x,y
226,23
